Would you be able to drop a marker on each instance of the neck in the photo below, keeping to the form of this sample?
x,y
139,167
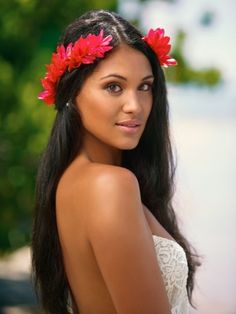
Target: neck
x,y
97,151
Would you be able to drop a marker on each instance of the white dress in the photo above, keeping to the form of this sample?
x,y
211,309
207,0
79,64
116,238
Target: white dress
x,y
174,269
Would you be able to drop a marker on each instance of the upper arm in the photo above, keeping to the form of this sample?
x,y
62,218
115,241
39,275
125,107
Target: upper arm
x,y
123,245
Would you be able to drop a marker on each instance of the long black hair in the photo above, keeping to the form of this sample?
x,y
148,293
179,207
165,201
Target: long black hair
x,y
151,161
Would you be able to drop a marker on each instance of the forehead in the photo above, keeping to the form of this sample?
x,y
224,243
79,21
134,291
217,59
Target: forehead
x,y
126,61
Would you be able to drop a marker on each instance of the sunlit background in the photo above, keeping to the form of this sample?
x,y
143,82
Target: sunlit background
x,y
202,101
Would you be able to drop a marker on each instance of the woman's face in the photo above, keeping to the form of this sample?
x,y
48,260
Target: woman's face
x,y
116,99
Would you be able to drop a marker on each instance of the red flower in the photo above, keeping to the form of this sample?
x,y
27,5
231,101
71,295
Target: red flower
x,y
85,50
48,95
160,44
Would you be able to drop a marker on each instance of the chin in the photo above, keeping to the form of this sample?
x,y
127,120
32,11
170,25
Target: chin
x,y
128,146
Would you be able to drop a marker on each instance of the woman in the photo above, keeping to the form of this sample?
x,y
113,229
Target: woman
x,y
105,237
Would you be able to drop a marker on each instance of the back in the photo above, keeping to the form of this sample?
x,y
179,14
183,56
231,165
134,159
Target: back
x,y
107,245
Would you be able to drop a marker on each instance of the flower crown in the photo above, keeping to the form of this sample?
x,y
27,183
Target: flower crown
x,y
87,50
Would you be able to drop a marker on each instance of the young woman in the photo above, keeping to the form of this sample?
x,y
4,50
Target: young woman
x,y
105,236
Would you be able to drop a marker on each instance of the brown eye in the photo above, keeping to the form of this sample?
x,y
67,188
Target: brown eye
x,y
146,87
113,88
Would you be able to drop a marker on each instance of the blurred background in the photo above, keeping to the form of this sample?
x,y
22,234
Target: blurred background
x,y
202,100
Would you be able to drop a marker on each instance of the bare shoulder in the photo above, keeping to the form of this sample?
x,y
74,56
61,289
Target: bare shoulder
x,y
107,193
109,172
122,242
113,179
107,205
91,186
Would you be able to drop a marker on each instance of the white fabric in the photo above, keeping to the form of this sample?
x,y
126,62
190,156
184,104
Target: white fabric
x,y
173,265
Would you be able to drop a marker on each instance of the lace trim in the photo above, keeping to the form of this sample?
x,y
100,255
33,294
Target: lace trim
x,y
174,268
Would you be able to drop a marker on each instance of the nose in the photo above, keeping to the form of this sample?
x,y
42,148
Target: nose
x,y
132,103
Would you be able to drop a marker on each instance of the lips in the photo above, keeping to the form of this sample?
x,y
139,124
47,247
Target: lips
x,y
129,123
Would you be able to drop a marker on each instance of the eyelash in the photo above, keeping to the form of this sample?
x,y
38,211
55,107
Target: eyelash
x,y
108,86
111,90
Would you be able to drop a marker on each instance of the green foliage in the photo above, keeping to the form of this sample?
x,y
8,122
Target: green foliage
x,y
30,30
184,73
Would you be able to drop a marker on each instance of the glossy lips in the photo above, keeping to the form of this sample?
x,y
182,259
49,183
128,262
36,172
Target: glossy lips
x,y
129,125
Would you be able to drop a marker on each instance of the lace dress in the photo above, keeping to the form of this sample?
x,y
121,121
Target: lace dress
x,y
173,264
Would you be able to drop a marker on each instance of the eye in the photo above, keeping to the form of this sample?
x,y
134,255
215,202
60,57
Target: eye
x,y
113,88
146,87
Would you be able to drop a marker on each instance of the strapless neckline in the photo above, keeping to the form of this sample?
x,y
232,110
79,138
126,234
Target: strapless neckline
x,y
171,241
163,238
174,268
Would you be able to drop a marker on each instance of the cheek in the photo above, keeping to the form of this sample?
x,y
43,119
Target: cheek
x,y
90,116
96,114
148,104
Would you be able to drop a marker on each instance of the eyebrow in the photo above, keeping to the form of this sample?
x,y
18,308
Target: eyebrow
x,y
123,78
